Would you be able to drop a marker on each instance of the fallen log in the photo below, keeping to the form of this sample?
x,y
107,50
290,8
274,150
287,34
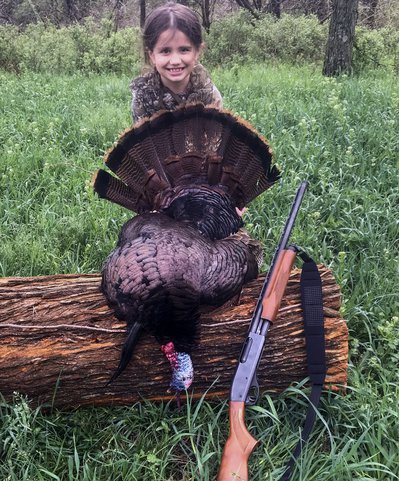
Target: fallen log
x,y
60,343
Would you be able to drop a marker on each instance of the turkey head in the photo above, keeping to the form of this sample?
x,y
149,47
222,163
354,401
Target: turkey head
x,y
184,172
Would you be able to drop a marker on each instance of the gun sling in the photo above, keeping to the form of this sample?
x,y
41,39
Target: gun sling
x,y
312,307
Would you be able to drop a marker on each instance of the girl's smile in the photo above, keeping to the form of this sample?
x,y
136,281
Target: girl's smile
x,y
174,57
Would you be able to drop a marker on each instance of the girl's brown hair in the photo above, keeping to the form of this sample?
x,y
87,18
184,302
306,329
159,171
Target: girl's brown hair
x,y
175,16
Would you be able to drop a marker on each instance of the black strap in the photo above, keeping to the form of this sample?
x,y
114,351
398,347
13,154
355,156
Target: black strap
x,y
312,306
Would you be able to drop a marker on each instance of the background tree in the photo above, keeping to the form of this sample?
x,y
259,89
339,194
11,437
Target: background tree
x,y
320,8
207,8
58,12
371,10
6,11
71,10
274,7
341,37
117,13
372,13
247,5
142,7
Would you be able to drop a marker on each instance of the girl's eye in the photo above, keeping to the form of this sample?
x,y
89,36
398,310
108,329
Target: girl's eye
x,y
185,49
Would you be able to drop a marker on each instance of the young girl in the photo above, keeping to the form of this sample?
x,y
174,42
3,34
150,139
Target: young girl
x,y
172,40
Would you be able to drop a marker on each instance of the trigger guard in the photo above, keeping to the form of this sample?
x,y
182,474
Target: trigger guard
x,y
253,393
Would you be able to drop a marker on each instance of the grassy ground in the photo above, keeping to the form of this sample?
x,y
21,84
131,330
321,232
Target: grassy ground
x,y
341,135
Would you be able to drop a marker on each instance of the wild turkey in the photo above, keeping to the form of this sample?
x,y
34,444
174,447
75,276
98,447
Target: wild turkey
x,y
184,172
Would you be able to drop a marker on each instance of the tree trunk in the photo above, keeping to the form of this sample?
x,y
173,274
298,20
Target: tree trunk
x,y
71,11
274,7
247,5
341,36
60,343
142,13
117,10
206,14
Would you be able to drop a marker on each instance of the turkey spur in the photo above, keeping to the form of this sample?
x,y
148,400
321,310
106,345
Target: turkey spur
x,y
184,172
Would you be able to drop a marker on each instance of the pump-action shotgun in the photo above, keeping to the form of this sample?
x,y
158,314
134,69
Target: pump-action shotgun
x,y
245,387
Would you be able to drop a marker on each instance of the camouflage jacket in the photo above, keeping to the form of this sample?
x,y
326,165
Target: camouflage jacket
x,y
149,94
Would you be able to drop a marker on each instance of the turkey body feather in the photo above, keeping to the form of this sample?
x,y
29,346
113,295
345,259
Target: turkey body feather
x,y
163,270
185,172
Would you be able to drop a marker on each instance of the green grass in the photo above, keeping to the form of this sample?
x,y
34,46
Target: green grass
x,y
341,135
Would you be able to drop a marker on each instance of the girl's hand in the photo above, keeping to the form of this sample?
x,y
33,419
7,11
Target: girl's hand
x,y
241,212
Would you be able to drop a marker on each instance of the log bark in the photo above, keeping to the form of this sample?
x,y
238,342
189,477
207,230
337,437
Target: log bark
x,y
60,343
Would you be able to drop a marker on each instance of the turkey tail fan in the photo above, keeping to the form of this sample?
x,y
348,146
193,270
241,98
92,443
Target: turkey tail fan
x,y
192,145
127,349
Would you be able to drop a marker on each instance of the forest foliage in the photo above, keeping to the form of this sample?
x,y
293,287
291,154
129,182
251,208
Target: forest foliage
x,y
373,13
94,47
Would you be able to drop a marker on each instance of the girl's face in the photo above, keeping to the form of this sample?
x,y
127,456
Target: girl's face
x,y
174,57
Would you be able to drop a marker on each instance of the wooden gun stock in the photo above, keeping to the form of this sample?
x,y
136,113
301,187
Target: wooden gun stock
x,y
238,447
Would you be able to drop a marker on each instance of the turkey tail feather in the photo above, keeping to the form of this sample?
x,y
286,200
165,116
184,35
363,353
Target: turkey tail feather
x,y
111,188
192,145
127,349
